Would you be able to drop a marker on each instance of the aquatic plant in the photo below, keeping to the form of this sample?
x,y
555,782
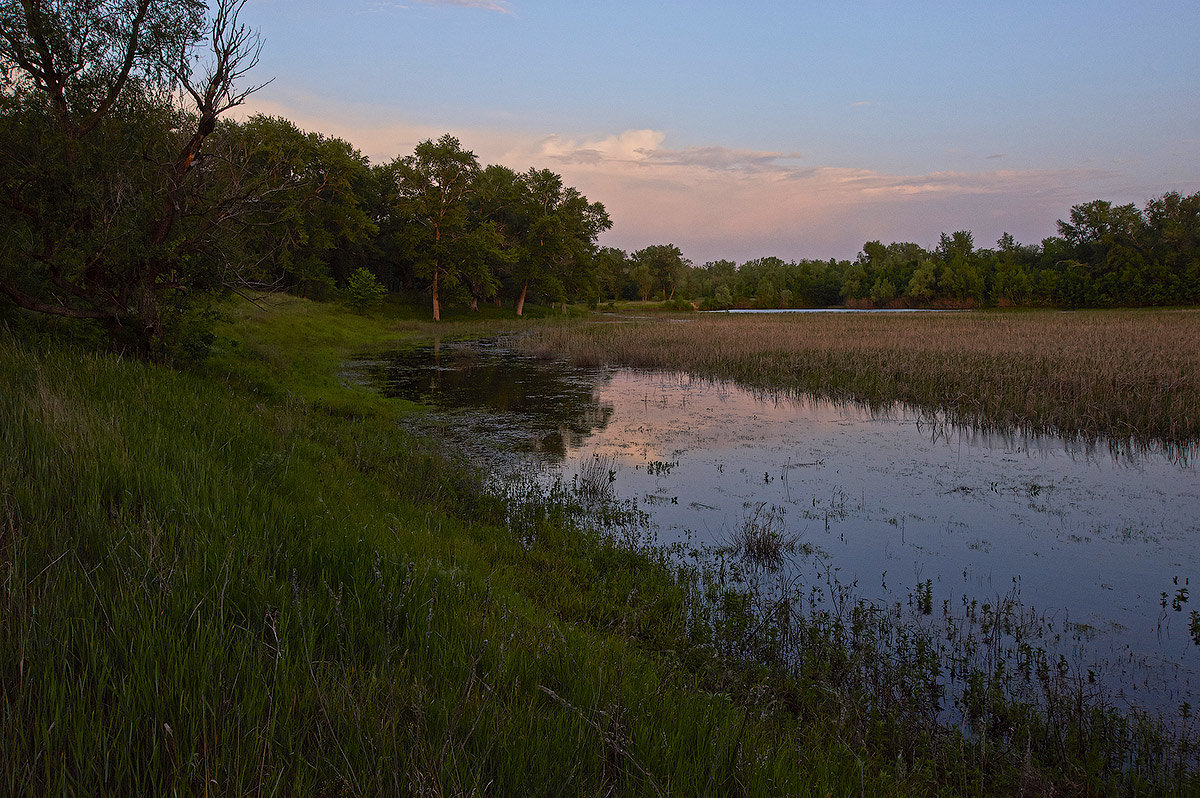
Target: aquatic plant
x,y
1121,376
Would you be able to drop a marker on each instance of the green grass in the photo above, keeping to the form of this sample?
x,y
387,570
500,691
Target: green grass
x,y
248,580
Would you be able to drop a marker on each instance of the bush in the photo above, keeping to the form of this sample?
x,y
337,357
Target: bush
x,y
363,289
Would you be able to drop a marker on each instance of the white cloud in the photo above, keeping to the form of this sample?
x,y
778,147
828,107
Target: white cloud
x,y
721,202
645,147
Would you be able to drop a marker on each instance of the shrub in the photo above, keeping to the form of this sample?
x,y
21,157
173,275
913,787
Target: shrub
x,y
363,289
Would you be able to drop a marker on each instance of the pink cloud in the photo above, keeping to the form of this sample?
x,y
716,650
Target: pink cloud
x,y
721,202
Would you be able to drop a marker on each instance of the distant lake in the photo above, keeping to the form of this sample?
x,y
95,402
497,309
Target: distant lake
x,y
1100,542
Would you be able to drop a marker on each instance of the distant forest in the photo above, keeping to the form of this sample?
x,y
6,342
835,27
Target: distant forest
x,y
439,225
128,198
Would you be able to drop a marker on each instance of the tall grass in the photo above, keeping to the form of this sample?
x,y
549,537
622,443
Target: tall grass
x,y
249,581
1118,375
213,589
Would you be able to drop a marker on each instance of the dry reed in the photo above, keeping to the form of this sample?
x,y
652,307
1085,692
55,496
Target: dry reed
x,y
1118,375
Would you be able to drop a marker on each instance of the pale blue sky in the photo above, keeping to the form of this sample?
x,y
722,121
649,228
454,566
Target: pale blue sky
x,y
747,129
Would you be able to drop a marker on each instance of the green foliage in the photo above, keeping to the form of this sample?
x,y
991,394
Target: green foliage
x,y
363,289
114,196
661,266
722,299
317,204
426,193
1105,256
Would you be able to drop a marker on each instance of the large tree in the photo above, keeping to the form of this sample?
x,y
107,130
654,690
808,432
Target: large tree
x,y
113,201
431,221
313,224
666,263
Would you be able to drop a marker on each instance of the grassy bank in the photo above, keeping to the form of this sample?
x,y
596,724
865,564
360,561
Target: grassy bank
x,y
247,579
1113,374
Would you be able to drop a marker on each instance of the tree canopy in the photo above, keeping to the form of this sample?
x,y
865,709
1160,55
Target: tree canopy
x,y
113,196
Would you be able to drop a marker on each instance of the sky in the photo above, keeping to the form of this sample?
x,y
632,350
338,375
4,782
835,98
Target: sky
x,y
738,130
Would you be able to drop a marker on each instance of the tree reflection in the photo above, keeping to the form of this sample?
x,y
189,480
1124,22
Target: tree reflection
x,y
516,401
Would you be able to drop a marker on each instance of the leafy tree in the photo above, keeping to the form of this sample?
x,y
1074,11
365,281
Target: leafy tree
x,y
922,286
558,238
1173,230
114,201
882,292
722,298
363,289
429,190
1011,283
498,199
1106,240
643,278
315,212
666,263
959,276
611,267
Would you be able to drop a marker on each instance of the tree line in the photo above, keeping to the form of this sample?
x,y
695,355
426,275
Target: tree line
x,y
1105,255
128,198
434,222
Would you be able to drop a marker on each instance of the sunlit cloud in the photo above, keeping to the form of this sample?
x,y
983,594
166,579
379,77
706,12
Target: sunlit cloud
x,y
645,147
722,202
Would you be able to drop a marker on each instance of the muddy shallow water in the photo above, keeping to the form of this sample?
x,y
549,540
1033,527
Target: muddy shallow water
x,y
1103,542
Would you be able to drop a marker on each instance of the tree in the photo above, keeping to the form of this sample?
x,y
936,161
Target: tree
x,y
114,203
363,289
430,189
1173,229
1011,284
1106,240
643,278
314,218
666,263
612,270
551,230
498,200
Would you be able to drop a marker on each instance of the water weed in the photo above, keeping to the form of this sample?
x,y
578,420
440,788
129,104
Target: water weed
x,y
1124,376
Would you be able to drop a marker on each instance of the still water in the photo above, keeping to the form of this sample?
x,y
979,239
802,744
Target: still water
x,y
1101,541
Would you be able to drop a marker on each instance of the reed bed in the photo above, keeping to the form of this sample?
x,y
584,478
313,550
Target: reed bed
x,y
1115,375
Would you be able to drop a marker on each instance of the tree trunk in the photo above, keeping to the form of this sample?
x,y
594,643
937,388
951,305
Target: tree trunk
x,y
521,300
437,308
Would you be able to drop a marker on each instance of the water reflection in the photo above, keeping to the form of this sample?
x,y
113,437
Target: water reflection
x,y
1102,540
503,402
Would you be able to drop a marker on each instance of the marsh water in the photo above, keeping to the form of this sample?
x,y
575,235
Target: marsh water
x,y
1099,541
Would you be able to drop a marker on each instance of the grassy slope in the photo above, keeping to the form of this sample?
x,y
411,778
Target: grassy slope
x,y
247,580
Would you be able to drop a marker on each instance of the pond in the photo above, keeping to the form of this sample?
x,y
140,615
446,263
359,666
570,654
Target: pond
x,y
1099,543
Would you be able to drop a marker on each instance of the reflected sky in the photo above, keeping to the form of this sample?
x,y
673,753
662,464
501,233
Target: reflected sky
x,y
1090,535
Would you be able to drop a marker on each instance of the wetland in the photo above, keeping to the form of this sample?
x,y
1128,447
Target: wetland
x,y
1085,547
